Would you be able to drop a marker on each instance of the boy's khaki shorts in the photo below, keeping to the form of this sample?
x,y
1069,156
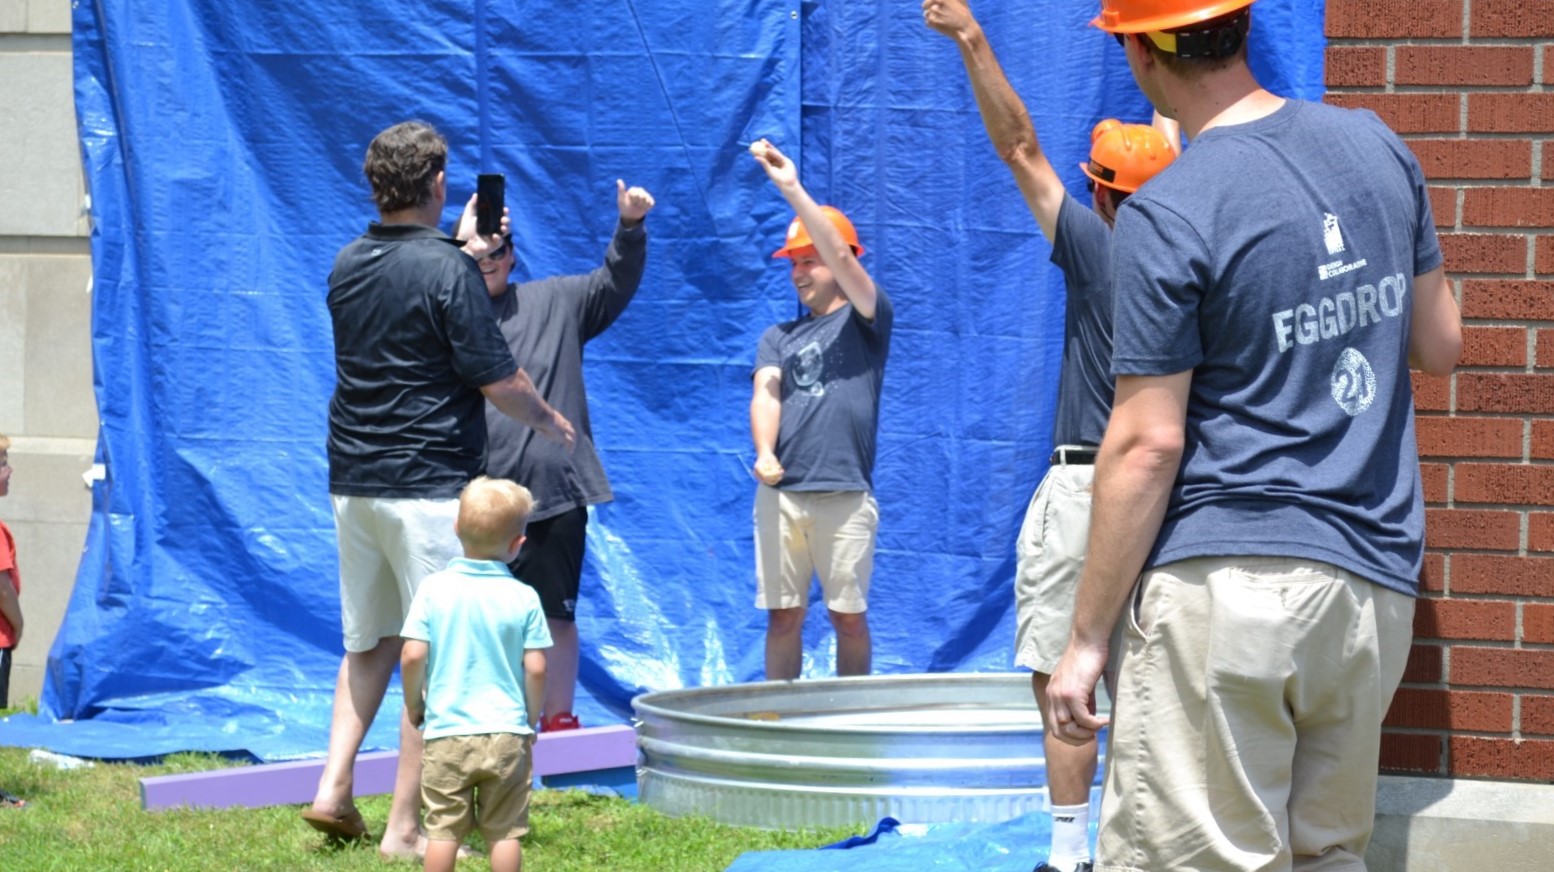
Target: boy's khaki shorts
x,y
799,534
477,782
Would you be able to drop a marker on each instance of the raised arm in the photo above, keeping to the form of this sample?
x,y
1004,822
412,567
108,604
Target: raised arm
x,y
1003,114
1435,337
612,286
834,251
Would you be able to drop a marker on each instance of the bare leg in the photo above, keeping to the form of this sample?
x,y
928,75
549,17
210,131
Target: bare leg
x,y
561,667
784,643
402,834
506,856
1070,768
359,687
441,855
1070,772
854,647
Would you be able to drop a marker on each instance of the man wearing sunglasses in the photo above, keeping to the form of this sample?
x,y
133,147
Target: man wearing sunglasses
x,y
1051,544
546,324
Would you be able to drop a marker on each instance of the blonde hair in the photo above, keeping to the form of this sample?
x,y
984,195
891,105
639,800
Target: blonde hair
x,y
492,512
5,442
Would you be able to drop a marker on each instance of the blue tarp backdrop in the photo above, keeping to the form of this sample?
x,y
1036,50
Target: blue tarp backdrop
x,y
223,144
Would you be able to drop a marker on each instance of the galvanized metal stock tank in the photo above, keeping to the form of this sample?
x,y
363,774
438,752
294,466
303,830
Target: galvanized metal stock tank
x,y
844,751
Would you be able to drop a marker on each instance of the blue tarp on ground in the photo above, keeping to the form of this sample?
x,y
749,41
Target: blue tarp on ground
x,y
222,145
1014,845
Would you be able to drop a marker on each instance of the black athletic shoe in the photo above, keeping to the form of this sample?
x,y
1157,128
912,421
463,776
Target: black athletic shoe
x,y
1043,867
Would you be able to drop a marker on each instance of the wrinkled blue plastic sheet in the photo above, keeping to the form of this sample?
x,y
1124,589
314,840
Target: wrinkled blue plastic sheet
x,y
222,145
1014,845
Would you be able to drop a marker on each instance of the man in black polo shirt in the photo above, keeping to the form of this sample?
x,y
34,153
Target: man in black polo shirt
x,y
416,357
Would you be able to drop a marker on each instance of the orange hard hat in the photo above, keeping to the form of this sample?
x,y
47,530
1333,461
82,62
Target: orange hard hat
x,y
1143,16
1125,156
798,234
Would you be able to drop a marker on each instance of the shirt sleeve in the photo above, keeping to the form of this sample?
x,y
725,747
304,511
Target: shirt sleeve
x,y
7,550
1427,245
480,354
610,287
1162,269
767,353
1080,234
884,316
537,633
416,625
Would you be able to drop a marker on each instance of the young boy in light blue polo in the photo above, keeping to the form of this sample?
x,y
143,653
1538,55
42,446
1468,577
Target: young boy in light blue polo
x,y
474,679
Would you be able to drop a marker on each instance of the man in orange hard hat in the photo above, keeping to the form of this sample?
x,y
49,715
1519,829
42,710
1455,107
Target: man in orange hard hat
x,y
1258,523
1051,544
814,413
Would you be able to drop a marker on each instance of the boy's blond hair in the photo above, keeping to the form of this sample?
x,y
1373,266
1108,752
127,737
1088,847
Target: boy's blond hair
x,y
5,442
492,512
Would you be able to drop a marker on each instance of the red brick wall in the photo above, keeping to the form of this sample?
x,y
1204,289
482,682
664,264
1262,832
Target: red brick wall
x,y
1470,86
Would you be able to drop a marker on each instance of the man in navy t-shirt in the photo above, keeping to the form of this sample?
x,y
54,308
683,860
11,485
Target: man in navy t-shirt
x,y
814,413
1273,288
1051,546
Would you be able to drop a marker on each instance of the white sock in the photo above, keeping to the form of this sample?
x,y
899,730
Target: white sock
x,y
1070,836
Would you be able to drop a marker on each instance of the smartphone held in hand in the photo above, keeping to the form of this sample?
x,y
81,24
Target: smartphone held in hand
x,y
489,197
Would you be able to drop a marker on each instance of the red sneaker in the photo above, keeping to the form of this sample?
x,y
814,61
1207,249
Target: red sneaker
x,y
560,721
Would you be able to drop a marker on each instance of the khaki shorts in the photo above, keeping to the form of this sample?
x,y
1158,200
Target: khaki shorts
x,y
1050,554
386,547
477,782
799,534
1249,709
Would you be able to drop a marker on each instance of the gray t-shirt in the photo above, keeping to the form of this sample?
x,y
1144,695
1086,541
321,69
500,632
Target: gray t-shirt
x,y
832,370
1082,249
546,324
1275,259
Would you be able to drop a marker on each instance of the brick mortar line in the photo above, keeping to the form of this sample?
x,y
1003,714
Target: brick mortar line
x,y
1463,732
1534,136
1434,88
1475,415
1491,644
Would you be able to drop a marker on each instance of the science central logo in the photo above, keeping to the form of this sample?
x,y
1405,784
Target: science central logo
x,y
1333,238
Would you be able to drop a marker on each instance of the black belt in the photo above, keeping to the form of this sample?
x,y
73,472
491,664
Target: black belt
x,y
1070,456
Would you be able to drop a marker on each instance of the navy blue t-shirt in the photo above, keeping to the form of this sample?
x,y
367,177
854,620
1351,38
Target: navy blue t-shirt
x,y
414,343
1082,249
1275,259
832,370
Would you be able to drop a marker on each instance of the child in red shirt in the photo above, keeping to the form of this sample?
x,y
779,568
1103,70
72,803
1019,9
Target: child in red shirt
x,y
10,605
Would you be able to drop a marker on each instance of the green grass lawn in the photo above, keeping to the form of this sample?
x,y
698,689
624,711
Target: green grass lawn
x,y
90,819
